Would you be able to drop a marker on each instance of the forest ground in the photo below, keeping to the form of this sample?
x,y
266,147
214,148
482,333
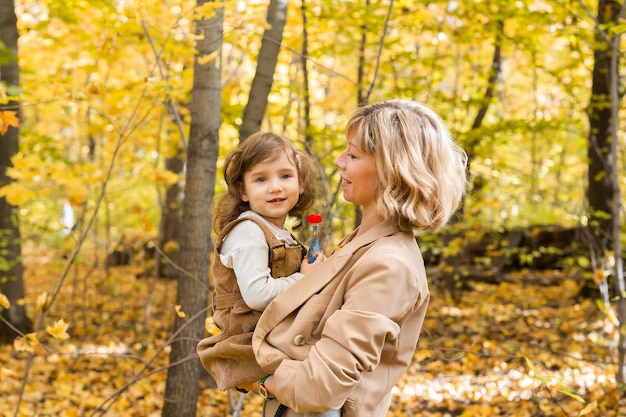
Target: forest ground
x,y
509,349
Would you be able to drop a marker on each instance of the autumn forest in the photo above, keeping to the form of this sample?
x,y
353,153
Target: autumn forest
x,y
116,116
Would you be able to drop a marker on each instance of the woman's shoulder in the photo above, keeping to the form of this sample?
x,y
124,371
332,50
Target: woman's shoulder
x,y
399,249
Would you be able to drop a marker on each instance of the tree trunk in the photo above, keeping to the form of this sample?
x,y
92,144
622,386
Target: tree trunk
x,y
600,187
266,64
10,246
604,194
172,220
490,93
616,15
182,386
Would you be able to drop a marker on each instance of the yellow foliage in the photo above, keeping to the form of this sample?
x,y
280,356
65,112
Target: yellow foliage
x,y
170,246
4,301
165,177
589,408
76,191
210,327
16,194
42,300
8,118
205,59
27,343
599,276
59,330
3,94
479,410
207,10
179,311
6,373
21,162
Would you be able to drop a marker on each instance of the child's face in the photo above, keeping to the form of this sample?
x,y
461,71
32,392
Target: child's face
x,y
272,189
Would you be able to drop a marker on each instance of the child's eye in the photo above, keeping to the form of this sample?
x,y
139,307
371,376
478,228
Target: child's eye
x,y
261,179
286,176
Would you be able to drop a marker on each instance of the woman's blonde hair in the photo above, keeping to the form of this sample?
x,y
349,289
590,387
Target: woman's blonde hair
x,y
257,148
421,169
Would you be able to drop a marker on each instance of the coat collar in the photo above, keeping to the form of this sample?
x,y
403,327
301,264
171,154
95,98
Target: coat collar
x,y
317,279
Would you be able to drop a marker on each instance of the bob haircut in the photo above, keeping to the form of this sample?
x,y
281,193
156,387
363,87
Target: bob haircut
x,y
421,169
257,148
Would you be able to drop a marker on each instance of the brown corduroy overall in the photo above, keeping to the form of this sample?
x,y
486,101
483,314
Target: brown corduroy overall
x,y
228,356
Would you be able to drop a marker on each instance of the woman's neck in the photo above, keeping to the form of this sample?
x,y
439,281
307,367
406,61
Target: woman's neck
x,y
370,219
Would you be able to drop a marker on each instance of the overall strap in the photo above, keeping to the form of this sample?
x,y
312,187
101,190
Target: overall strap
x,y
277,248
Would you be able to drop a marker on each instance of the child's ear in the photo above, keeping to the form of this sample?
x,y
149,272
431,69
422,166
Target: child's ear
x,y
301,188
242,192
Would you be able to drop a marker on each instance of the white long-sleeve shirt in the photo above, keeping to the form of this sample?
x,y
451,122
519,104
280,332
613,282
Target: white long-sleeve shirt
x,y
246,251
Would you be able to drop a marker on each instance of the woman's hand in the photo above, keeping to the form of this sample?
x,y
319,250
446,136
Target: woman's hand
x,y
306,267
269,386
254,385
249,386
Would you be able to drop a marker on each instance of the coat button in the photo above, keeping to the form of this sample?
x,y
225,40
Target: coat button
x,y
299,340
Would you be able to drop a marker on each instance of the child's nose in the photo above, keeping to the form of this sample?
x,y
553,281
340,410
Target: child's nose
x,y
275,185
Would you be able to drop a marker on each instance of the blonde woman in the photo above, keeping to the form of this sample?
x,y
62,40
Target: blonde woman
x,y
342,336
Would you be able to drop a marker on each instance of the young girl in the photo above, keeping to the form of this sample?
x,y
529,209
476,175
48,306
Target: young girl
x,y
256,258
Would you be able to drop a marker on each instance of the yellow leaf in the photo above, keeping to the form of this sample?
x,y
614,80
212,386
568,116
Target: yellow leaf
x,y
207,10
583,261
609,258
166,177
4,301
179,311
42,301
422,354
26,343
589,408
59,330
599,276
76,191
569,391
16,194
8,118
210,327
147,224
6,373
170,246
21,162
205,59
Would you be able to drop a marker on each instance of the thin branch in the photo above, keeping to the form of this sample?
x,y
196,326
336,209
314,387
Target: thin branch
x,y
380,51
602,32
125,131
108,402
170,101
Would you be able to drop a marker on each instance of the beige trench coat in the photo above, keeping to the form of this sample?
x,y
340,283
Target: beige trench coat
x,y
345,333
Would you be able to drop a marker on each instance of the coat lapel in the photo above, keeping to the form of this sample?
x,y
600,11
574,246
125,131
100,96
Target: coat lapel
x,y
313,282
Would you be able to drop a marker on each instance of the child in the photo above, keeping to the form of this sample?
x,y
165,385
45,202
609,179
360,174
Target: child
x,y
256,258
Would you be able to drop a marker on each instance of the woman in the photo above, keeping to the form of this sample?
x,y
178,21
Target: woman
x,y
342,337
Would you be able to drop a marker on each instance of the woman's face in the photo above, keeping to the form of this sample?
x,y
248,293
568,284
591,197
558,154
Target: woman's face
x,y
359,179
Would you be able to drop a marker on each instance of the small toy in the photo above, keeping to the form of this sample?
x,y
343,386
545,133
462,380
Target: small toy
x,y
314,249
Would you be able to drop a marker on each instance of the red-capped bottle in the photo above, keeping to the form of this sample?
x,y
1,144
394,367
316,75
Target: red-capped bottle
x,y
314,249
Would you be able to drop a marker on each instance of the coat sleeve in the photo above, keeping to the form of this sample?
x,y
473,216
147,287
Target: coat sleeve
x,y
381,291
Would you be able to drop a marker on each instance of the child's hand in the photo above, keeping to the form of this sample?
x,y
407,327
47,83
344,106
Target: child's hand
x,y
306,267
